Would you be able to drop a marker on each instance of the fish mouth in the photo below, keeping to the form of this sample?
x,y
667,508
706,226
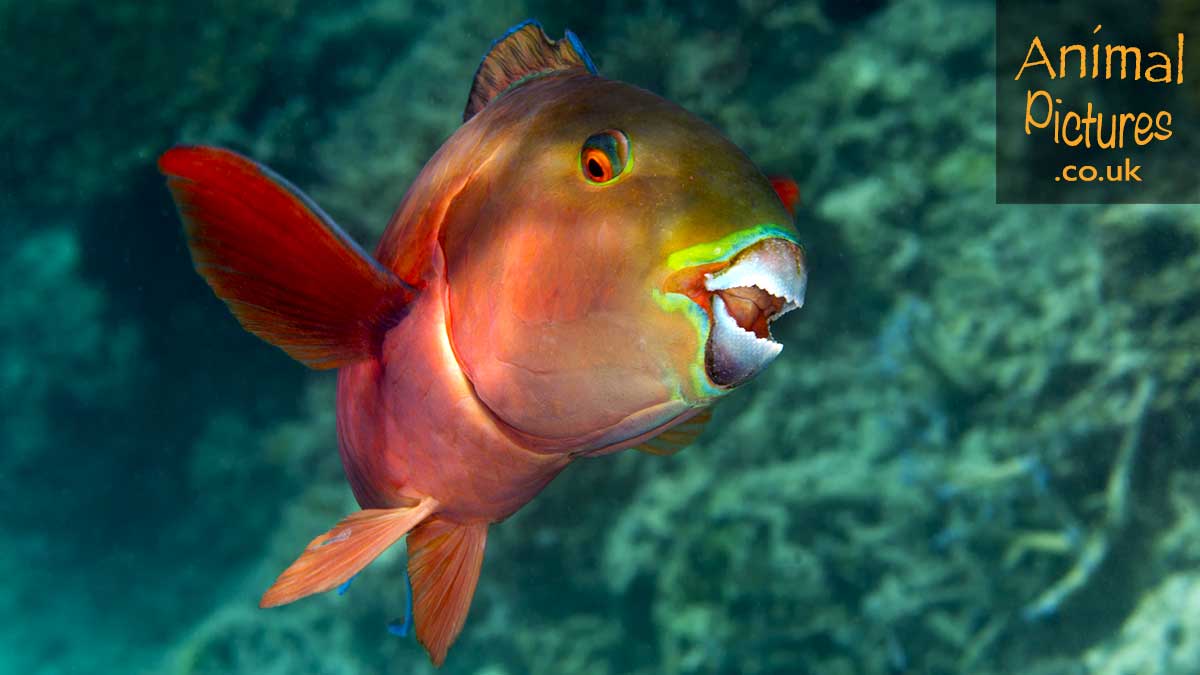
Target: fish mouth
x,y
742,298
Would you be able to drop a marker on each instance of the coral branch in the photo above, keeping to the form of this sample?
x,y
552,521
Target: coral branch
x,y
1098,544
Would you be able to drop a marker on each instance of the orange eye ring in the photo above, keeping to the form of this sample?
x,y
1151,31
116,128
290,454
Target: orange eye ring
x,y
605,156
597,167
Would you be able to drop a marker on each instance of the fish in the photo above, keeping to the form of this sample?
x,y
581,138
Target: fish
x,y
583,267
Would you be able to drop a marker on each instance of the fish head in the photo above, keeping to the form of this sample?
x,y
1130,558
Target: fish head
x,y
622,264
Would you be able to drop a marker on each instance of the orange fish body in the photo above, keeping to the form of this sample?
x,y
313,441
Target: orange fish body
x,y
583,267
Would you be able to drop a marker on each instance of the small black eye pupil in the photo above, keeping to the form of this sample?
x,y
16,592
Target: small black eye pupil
x,y
595,169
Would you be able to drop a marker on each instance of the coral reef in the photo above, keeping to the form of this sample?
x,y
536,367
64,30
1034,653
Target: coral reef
x,y
1160,637
65,363
974,455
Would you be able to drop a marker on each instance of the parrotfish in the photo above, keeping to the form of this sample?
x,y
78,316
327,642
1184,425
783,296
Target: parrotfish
x,y
583,267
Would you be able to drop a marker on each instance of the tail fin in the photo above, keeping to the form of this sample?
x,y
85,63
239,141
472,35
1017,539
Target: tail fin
x,y
333,558
444,559
286,271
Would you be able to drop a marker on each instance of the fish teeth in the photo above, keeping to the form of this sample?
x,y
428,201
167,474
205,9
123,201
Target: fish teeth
x,y
734,353
787,307
765,268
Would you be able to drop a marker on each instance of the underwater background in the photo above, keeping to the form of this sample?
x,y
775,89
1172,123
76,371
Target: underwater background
x,y
975,455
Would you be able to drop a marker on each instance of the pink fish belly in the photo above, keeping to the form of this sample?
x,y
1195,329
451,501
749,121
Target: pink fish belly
x,y
410,425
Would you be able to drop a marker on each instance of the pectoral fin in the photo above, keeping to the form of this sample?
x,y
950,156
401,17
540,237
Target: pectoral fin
x,y
285,269
443,563
333,558
677,437
788,191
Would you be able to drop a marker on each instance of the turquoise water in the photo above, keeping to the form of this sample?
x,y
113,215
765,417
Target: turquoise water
x,y
976,453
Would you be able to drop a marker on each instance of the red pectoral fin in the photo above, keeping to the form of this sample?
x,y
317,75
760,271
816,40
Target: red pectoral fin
x,y
332,558
788,191
286,271
443,562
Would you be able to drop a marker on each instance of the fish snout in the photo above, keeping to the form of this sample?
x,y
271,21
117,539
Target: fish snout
x,y
742,296
762,283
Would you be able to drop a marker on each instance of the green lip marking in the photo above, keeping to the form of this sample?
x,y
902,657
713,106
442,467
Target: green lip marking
x,y
673,302
724,248
701,254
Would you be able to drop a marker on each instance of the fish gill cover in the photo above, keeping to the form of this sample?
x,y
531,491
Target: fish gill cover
x,y
976,454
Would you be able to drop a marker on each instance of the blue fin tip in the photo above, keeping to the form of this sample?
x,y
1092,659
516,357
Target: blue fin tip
x,y
403,627
583,53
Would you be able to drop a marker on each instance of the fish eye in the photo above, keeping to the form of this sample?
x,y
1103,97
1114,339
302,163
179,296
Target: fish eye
x,y
605,156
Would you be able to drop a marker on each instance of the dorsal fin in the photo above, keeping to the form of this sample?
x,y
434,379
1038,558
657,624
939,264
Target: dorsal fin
x,y
524,52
